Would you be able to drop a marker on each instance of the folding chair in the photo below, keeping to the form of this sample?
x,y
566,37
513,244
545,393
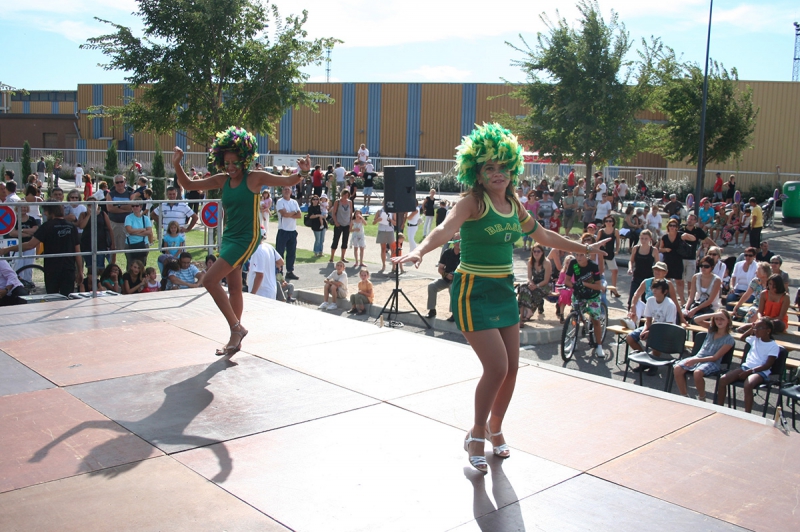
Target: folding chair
x,y
667,339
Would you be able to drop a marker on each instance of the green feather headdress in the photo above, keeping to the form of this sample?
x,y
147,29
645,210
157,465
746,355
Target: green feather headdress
x,y
489,142
236,140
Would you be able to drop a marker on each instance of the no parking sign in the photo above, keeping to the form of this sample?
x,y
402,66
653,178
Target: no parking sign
x,y
209,214
8,219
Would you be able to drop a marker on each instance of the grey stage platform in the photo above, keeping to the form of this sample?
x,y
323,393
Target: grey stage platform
x,y
116,415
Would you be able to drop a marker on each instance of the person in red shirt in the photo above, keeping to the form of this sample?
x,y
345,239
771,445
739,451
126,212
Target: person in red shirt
x,y
571,179
718,188
317,179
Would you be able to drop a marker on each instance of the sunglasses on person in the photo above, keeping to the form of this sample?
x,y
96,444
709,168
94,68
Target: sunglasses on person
x,y
713,254
535,251
672,225
706,266
608,221
119,182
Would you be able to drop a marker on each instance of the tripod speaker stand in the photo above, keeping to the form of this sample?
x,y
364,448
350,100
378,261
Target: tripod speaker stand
x,y
400,198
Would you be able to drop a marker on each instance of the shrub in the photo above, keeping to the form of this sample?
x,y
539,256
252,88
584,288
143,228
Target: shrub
x,y
158,173
26,160
112,163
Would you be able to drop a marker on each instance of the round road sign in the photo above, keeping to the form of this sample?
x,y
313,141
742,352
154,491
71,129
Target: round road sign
x,y
210,214
8,219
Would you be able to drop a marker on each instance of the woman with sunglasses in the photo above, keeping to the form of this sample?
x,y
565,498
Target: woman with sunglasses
x,y
719,269
674,261
772,304
757,285
640,266
233,151
609,231
703,291
706,362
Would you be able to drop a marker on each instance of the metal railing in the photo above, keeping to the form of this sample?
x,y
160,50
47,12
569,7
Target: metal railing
x,y
654,177
212,238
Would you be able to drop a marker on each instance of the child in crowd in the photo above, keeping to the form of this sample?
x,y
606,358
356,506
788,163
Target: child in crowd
x,y
87,186
265,207
148,197
151,283
357,239
173,238
110,279
335,286
170,268
564,293
133,280
323,206
365,294
396,250
441,212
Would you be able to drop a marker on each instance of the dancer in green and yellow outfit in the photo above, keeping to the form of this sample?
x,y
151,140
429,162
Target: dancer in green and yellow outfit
x,y
233,151
490,219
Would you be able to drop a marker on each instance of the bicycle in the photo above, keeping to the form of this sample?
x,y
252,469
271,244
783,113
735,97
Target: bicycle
x,y
577,324
35,285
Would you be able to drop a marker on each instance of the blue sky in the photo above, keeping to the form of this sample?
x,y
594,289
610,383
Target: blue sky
x,y
413,40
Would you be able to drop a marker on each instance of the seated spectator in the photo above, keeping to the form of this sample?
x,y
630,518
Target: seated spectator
x,y
188,276
12,290
775,263
133,279
706,363
171,267
645,292
335,286
11,188
151,283
761,353
754,289
261,274
448,262
111,279
533,293
743,273
773,303
673,207
764,254
365,295
658,309
703,291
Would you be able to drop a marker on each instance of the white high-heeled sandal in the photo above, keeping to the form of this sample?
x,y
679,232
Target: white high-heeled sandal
x,y
501,451
478,461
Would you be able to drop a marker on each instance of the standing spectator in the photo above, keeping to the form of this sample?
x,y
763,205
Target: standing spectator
x,y
139,235
654,222
11,192
731,191
363,154
364,296
427,209
558,187
623,190
359,241
342,213
318,224
569,207
87,187
412,222
78,176
56,171
286,240
547,208
602,209
448,262
339,174
188,275
8,175
718,184
335,285
611,248
385,232
262,273
441,213
61,274
589,206
76,209
369,183
119,208
631,226
700,239
670,249
317,178
644,255
41,167
571,179
600,187
105,233
11,289
265,208
174,210
195,194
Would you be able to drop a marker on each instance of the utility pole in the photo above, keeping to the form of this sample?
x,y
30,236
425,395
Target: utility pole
x,y
698,187
796,63
328,63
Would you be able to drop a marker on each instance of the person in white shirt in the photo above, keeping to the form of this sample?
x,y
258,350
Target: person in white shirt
x,y
603,209
335,287
12,290
177,211
363,154
412,222
261,274
743,273
654,221
658,309
11,188
600,188
79,176
286,240
755,369
339,173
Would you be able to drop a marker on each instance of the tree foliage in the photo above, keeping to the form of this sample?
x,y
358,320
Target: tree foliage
x,y
26,162
112,163
730,114
203,65
581,90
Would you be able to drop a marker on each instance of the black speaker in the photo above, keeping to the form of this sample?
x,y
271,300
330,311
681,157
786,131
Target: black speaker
x,y
400,188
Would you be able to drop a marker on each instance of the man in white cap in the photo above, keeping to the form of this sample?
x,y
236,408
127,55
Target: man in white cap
x,y
645,291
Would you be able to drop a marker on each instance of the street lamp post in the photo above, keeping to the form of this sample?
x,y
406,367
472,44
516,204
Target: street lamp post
x,y
698,188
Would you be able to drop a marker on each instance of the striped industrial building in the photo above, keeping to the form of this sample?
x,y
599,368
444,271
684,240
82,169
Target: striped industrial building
x,y
414,120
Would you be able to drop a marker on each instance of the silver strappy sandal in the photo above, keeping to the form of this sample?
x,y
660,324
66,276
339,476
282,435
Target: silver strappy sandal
x,y
479,461
501,451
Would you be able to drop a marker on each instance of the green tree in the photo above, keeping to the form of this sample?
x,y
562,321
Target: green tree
x,y
159,174
25,169
582,92
730,114
112,163
208,64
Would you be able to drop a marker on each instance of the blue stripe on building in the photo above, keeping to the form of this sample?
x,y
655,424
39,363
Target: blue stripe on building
x,y
97,99
80,145
263,144
348,118
374,119
26,107
180,139
75,107
413,119
469,105
285,133
54,107
127,131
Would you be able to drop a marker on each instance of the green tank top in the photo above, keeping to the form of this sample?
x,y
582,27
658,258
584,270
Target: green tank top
x,y
241,212
487,244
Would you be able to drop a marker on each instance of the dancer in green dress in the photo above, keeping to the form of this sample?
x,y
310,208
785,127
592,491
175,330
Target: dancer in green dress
x,y
234,151
482,297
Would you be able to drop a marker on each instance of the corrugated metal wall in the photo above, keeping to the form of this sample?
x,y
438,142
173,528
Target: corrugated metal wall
x,y
428,120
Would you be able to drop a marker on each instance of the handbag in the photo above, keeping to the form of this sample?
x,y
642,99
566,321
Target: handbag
x,y
684,250
307,220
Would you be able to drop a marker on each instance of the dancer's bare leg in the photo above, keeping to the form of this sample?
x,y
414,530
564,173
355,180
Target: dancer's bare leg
x,y
498,351
230,306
